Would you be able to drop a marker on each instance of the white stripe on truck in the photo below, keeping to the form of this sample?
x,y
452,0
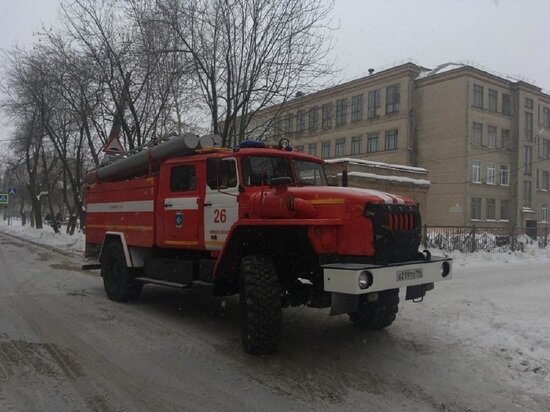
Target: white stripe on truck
x,y
133,206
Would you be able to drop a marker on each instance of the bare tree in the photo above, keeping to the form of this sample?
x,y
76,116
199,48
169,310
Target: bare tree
x,y
249,54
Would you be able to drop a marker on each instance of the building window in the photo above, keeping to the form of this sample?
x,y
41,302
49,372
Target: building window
x,y
546,148
545,213
325,150
504,209
356,143
527,193
529,103
490,209
373,143
545,180
476,208
477,133
326,116
546,117
529,126
476,171
339,147
506,104
493,97
357,108
313,115
478,96
341,112
393,97
504,175
312,149
490,180
288,123
505,139
300,148
391,139
491,136
528,160
373,104
300,122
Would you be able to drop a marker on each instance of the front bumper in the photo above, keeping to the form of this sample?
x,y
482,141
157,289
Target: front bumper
x,y
344,277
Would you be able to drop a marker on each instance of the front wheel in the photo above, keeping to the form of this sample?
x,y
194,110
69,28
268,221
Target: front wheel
x,y
260,301
378,314
117,280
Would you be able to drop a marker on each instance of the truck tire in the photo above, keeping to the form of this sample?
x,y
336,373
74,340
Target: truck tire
x,y
378,314
260,301
117,280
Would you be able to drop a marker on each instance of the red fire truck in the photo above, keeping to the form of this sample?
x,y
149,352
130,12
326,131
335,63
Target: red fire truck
x,y
260,222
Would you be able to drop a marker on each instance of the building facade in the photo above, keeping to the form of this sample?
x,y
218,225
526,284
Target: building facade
x,y
484,139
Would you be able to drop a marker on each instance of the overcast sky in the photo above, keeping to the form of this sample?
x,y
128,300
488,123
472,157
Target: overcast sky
x,y
505,36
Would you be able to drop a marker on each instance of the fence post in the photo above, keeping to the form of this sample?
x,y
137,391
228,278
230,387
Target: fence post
x,y
425,237
474,246
546,236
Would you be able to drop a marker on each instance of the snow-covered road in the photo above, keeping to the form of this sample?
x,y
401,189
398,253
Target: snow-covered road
x,y
480,342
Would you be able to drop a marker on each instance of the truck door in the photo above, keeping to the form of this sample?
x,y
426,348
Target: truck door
x,y
221,207
181,207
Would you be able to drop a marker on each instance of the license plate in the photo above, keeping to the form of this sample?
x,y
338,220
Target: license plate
x,y
409,274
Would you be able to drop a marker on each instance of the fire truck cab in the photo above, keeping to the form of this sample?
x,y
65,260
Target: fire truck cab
x,y
262,223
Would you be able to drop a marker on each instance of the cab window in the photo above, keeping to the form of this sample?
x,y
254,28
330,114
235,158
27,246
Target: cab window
x,y
183,178
221,174
260,170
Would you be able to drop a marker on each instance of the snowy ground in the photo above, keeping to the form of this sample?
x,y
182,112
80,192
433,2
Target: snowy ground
x,y
479,342
73,245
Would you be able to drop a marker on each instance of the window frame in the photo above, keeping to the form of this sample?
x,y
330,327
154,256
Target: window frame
x,y
357,107
473,202
477,100
493,100
340,147
490,179
373,137
356,145
390,136
373,104
393,98
341,112
490,209
476,171
504,174
475,129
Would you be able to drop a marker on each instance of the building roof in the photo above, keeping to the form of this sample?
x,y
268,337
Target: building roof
x,y
380,165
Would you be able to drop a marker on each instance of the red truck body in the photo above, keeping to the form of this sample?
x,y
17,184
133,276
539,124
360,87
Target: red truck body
x,y
206,216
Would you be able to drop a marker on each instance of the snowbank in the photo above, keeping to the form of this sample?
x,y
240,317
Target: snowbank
x,y
61,242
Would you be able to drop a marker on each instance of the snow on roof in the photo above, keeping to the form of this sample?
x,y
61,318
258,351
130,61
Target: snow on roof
x,y
380,165
398,179
442,68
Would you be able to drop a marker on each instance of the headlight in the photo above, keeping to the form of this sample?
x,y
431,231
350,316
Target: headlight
x,y
365,279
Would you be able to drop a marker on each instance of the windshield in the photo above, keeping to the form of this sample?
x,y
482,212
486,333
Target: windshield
x,y
261,169
309,173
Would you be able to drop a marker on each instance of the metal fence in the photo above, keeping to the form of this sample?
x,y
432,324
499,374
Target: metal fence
x,y
468,239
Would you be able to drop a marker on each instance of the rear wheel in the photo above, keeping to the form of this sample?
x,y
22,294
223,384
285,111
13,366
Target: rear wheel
x,y
260,301
117,280
378,314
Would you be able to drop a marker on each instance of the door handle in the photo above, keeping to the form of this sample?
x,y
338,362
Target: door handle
x,y
168,205
208,204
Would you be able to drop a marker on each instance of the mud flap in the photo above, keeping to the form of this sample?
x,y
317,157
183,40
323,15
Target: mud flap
x,y
343,303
